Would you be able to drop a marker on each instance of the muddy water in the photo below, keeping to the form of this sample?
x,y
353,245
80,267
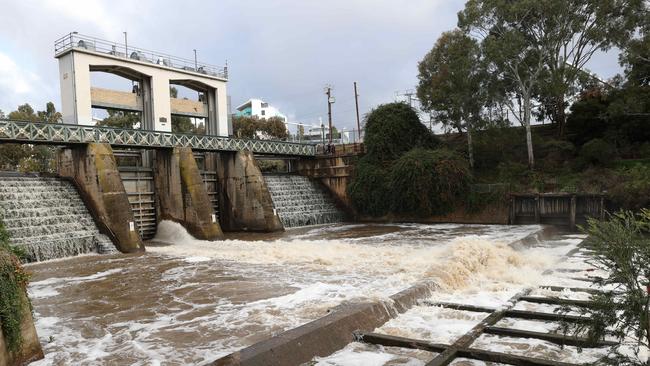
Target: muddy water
x,y
190,302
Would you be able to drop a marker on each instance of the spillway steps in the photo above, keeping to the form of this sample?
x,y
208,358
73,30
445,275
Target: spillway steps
x,y
47,219
300,201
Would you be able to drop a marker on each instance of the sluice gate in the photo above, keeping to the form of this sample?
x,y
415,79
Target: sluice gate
x,y
139,186
555,208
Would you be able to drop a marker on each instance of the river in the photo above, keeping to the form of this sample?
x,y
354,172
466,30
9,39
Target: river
x,y
187,301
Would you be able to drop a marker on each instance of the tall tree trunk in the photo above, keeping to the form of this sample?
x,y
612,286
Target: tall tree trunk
x,y
470,148
529,135
560,115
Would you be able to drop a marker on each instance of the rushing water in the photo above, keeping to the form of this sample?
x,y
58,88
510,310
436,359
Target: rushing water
x,y
48,219
301,201
186,301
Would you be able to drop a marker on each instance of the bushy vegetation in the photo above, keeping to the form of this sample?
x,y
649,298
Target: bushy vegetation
x,y
402,172
597,152
13,284
247,127
427,182
621,247
369,189
393,129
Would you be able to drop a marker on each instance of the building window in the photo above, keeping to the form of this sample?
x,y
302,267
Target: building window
x,y
263,112
265,105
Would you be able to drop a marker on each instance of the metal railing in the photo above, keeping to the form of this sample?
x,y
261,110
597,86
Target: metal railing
x,y
65,134
120,50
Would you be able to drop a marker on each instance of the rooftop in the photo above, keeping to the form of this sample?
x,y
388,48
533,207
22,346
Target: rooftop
x,y
75,40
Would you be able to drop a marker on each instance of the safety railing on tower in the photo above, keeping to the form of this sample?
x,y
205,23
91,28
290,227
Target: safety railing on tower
x,y
75,40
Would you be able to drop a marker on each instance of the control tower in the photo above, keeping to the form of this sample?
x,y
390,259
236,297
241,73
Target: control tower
x,y
152,74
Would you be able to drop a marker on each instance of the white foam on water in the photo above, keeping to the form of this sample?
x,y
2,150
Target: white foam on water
x,y
313,275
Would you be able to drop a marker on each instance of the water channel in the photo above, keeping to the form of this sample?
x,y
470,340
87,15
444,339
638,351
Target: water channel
x,y
186,301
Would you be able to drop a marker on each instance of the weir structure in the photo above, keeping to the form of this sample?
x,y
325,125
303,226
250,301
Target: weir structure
x,y
132,178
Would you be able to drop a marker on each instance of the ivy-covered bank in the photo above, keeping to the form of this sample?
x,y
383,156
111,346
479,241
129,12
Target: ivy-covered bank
x,y
406,172
13,283
18,342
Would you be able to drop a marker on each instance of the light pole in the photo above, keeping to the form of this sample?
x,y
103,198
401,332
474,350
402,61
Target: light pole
x,y
196,64
126,46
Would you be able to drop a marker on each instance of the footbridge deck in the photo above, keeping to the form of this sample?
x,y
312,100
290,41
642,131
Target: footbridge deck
x,y
66,134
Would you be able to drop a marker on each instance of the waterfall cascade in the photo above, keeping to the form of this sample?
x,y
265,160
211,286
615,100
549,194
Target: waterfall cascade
x,y
300,201
48,219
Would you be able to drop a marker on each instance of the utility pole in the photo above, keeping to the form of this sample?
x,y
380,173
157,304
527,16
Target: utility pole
x,y
196,63
409,96
126,46
356,102
330,100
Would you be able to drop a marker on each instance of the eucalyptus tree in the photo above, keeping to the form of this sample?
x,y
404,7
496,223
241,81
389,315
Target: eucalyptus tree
x,y
452,83
579,29
543,45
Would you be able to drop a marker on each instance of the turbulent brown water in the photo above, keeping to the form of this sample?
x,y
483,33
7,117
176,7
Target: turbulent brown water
x,y
190,302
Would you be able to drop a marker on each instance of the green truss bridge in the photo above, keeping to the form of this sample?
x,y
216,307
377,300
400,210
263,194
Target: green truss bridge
x,y
66,134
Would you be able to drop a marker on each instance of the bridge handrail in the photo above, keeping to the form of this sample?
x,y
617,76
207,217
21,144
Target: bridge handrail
x,y
120,50
45,132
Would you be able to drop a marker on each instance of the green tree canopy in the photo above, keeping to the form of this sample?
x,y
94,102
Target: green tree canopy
x,y
251,127
120,119
453,83
30,158
393,129
541,46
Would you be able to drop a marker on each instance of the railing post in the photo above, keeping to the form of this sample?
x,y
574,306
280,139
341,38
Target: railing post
x,y
537,209
572,212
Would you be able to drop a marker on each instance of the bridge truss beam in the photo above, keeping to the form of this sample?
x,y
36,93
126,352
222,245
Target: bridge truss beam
x,y
66,134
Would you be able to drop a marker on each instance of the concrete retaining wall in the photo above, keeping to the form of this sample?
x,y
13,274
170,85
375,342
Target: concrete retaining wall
x,y
335,173
94,171
244,199
327,334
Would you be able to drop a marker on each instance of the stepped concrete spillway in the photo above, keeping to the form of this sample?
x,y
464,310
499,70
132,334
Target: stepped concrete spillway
x,y
300,201
47,218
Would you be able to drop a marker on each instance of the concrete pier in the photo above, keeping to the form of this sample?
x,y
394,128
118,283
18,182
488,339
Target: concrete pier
x,y
94,170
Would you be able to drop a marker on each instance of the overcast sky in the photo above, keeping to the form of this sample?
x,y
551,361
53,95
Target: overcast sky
x,y
281,51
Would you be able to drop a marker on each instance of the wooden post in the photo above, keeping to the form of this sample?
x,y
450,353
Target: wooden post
x,y
537,209
513,211
572,212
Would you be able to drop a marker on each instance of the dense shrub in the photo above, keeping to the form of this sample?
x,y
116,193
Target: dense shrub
x,y
393,129
511,172
13,302
498,144
368,190
633,190
427,182
597,152
555,153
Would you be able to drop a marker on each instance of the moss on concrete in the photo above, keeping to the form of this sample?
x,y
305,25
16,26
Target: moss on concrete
x,y
94,170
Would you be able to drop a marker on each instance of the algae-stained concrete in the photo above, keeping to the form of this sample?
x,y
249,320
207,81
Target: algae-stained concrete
x,y
335,173
244,198
181,195
30,349
94,170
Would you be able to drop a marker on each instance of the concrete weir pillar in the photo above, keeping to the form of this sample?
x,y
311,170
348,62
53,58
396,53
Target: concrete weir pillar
x,y
94,170
181,195
244,199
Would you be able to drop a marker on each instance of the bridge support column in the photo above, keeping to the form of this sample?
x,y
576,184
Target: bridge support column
x,y
245,201
181,194
94,170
